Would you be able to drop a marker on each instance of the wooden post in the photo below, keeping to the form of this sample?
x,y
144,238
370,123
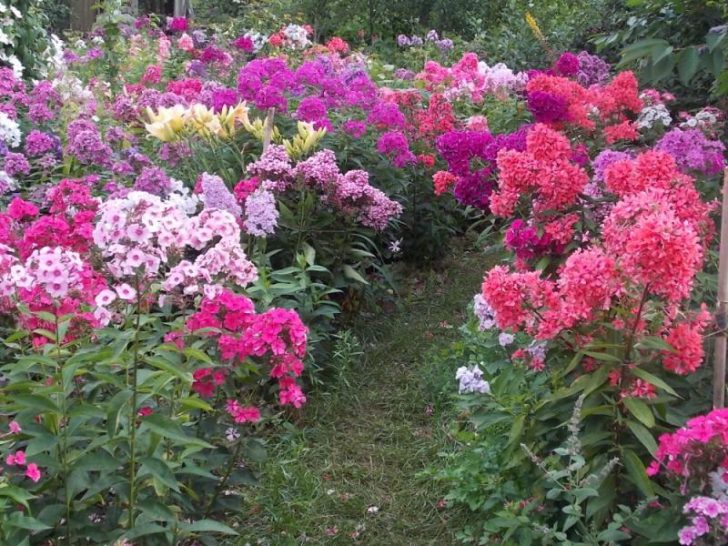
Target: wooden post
x,y
182,8
721,342
82,14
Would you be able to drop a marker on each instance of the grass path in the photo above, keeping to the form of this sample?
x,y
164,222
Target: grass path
x,y
348,473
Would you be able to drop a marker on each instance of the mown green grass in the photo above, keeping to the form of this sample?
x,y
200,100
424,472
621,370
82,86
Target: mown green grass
x,y
364,437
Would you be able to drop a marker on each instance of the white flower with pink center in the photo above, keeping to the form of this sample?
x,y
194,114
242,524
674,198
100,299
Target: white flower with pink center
x,y
126,292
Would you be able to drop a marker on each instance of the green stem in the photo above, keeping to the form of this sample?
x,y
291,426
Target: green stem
x,y
63,446
301,218
633,333
133,413
226,476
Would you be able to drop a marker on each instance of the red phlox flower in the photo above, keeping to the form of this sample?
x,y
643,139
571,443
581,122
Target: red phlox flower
x,y
514,296
686,340
443,181
242,414
545,169
587,283
654,247
625,130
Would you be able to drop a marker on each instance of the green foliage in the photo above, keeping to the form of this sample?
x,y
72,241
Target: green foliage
x,y
569,487
26,45
494,477
260,15
58,13
681,44
128,451
564,28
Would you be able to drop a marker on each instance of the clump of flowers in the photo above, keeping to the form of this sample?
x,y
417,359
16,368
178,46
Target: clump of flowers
x,y
693,151
145,235
349,192
696,457
471,380
695,450
277,336
708,522
544,172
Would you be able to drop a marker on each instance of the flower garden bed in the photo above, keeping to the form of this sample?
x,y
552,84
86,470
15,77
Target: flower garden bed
x,y
190,219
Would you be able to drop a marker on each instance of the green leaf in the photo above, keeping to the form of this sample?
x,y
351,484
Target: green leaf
x,y
68,374
543,263
636,471
167,428
310,253
195,403
659,53
516,429
715,39
144,529
16,494
18,520
643,435
207,526
653,380
40,404
40,443
641,48
164,365
606,357
640,410
573,363
688,64
196,354
351,273
715,62
101,460
160,470
255,451
613,536
661,69
156,511
115,405
583,493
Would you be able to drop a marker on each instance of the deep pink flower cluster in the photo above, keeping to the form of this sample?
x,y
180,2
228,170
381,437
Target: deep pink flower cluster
x,y
278,336
395,145
557,99
19,459
526,243
695,450
265,82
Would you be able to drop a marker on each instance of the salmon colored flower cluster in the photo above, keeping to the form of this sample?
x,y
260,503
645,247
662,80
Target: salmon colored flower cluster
x,y
544,174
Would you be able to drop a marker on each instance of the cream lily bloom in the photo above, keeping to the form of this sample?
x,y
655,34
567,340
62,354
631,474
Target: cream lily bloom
x,y
167,123
306,140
